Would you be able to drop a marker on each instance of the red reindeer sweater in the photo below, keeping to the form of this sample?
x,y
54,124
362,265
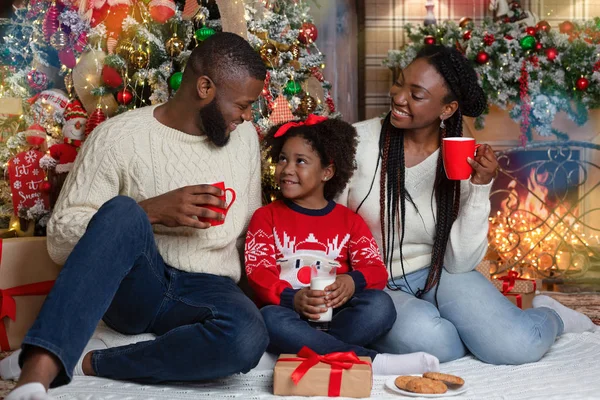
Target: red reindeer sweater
x,y
284,240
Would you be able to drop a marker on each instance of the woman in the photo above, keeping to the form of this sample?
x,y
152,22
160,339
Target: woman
x,y
433,231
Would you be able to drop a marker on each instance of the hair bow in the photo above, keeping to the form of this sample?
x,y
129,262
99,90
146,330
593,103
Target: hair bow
x,y
312,119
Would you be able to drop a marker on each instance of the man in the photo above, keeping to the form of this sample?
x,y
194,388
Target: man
x,y
129,228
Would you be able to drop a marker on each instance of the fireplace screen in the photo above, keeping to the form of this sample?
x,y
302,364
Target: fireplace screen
x,y
545,218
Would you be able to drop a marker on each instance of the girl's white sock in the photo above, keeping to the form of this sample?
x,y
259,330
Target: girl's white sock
x,y
405,364
93,344
29,391
9,367
575,322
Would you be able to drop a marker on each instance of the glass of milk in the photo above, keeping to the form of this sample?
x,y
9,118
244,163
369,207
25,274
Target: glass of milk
x,y
323,274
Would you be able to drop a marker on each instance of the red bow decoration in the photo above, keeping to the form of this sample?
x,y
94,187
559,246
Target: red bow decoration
x,y
339,361
312,119
508,281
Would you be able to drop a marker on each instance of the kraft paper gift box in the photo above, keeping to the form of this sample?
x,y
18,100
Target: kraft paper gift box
x,y
26,276
519,291
334,374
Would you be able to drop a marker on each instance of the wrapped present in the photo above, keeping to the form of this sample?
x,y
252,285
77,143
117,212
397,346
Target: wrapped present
x,y
519,291
484,268
26,276
334,374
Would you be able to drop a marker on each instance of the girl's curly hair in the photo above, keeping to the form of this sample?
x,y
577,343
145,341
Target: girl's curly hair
x,y
334,140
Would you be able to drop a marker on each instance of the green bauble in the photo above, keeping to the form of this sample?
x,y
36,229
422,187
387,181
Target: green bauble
x,y
292,87
527,42
175,80
204,33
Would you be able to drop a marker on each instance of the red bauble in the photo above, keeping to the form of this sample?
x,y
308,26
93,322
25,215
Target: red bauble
x,y
508,37
95,119
45,186
530,30
543,26
111,76
162,10
467,35
582,83
539,46
429,40
551,53
566,27
482,57
308,33
488,39
124,96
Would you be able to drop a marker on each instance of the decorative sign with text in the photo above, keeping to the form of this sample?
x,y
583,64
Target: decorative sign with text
x,y
26,178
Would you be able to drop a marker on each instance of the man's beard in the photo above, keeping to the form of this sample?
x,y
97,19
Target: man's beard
x,y
214,125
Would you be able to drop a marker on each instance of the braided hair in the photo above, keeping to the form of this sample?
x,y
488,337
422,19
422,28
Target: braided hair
x,y
462,86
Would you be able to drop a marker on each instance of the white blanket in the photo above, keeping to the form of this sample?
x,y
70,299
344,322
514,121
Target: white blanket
x,y
570,370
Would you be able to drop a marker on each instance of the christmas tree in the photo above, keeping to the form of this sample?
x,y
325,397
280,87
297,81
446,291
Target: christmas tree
x,y
68,65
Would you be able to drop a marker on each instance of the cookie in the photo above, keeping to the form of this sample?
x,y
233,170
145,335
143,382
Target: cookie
x,y
452,380
401,381
426,386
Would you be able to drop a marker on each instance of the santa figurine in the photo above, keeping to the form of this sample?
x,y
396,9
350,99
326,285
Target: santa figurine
x,y
73,132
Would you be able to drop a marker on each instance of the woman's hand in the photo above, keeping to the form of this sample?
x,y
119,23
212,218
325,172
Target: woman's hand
x,y
485,165
310,303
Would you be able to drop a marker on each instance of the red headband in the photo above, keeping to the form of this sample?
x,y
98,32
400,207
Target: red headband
x,y
312,119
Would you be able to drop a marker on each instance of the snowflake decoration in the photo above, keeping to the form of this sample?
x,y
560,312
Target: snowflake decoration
x,y
17,185
30,157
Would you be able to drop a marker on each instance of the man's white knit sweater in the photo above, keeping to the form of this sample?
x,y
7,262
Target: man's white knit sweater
x,y
135,155
468,237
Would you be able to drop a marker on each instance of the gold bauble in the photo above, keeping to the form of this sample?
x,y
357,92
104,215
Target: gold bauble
x,y
464,21
307,105
174,46
295,50
139,59
59,40
268,52
124,49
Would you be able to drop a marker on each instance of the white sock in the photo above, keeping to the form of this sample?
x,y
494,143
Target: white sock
x,y
9,367
575,322
93,344
29,391
405,364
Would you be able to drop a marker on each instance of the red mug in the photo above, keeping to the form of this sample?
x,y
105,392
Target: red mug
x,y
215,222
455,151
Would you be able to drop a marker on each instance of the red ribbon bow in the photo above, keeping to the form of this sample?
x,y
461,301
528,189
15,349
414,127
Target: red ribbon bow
x,y
508,281
312,119
339,361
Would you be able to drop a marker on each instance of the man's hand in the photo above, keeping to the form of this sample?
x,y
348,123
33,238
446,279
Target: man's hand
x,y
485,165
183,206
310,303
340,291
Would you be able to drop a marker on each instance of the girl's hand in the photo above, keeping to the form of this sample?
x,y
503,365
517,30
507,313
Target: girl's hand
x,y
340,291
485,165
310,303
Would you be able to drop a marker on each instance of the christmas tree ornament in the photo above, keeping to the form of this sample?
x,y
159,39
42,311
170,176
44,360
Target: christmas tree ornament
x,y
566,27
582,83
530,30
96,119
281,111
204,33
99,12
139,59
124,49
73,133
190,9
268,53
59,40
295,50
69,83
551,53
543,26
124,96
467,35
175,80
81,42
67,58
50,24
174,46
482,57
292,88
488,39
429,40
527,42
111,77
119,10
539,46
162,10
87,75
37,80
307,105
464,22
308,33
46,187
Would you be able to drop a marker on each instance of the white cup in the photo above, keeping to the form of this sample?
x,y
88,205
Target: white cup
x,y
320,283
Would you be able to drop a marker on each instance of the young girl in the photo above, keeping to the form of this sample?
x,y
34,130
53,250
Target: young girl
x,y
315,160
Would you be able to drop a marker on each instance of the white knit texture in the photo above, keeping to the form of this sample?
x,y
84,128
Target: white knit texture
x,y
135,155
568,371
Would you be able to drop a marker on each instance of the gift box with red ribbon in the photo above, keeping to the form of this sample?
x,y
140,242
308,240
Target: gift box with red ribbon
x,y
26,276
334,374
520,291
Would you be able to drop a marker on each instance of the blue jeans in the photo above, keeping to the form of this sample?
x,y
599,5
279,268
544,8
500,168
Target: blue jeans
x,y
364,318
207,328
472,315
